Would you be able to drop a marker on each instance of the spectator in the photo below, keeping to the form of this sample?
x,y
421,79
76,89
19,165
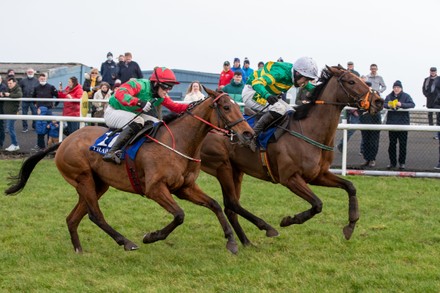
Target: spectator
x,y
193,92
129,69
246,69
54,132
73,90
10,73
398,99
3,89
28,85
235,88
237,66
260,65
91,85
109,70
350,67
377,82
280,59
11,108
431,90
225,76
41,129
103,93
44,90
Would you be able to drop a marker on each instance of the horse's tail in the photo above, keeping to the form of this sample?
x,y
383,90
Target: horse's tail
x,y
17,183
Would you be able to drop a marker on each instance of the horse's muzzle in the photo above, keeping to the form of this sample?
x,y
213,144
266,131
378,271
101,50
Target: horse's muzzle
x,y
245,138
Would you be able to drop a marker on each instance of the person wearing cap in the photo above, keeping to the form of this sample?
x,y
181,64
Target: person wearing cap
x,y
431,90
109,70
225,76
396,100
263,88
129,104
350,67
247,69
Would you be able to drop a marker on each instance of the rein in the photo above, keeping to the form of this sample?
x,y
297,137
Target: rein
x,y
228,126
362,100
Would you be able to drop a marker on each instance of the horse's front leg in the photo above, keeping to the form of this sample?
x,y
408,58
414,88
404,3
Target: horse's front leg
x,y
298,186
161,195
195,195
331,180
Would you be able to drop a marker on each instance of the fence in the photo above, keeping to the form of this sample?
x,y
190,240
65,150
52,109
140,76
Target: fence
x,y
423,150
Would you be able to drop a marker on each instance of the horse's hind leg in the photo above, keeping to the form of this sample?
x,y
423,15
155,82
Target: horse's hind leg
x,y
230,182
77,214
195,195
298,186
331,180
86,190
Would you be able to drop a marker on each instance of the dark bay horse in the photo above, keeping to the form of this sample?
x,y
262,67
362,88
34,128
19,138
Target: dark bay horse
x,y
161,171
293,161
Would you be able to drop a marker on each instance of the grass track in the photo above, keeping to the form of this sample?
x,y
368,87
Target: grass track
x,y
395,248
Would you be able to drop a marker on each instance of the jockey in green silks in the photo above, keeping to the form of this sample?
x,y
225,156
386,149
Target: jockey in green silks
x,y
265,85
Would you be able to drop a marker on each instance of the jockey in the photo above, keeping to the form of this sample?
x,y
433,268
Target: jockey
x,y
264,86
133,97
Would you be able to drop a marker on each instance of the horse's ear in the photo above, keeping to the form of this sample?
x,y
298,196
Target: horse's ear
x,y
210,92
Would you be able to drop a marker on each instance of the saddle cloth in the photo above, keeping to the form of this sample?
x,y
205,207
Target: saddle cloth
x,y
103,144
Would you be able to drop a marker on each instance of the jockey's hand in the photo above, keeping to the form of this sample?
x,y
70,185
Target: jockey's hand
x,y
146,106
272,99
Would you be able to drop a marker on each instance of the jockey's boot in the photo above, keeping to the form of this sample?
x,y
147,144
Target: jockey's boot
x,y
113,154
261,124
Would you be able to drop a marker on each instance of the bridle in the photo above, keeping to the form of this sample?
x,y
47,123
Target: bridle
x,y
227,130
362,101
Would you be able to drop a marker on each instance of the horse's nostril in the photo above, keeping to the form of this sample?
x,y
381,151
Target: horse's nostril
x,y
247,135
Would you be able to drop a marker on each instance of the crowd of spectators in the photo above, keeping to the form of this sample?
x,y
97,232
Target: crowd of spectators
x,y
99,85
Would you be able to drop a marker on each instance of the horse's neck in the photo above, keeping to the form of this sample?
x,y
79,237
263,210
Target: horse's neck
x,y
321,122
189,132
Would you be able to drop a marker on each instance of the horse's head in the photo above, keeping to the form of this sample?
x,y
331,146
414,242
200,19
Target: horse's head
x,y
357,92
227,115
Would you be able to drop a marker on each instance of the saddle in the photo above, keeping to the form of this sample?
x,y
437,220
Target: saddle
x,y
271,133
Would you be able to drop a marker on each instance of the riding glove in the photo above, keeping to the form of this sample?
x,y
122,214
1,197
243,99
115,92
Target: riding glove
x,y
272,99
146,106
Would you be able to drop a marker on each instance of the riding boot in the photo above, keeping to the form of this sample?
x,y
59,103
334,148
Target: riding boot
x,y
261,124
113,154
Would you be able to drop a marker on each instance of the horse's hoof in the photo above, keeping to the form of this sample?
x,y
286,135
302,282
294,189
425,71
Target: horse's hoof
x,y
272,233
78,250
286,221
130,246
348,231
150,237
232,247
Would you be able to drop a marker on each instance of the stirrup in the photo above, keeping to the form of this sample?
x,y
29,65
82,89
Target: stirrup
x,y
113,157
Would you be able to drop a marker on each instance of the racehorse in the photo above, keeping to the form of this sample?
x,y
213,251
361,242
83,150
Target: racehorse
x,y
164,168
295,160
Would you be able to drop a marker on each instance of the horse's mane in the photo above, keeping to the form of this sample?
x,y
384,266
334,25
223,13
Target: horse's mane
x,y
302,111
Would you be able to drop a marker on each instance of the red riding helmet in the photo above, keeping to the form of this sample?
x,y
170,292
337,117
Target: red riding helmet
x,y
163,75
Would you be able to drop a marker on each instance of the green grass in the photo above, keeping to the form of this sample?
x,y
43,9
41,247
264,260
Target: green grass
x,y
395,247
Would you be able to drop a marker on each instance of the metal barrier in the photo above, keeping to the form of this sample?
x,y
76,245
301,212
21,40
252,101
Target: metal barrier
x,y
342,126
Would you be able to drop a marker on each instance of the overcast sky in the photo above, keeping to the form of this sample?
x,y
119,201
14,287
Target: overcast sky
x,y
401,38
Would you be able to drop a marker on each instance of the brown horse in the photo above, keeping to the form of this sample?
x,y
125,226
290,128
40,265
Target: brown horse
x,y
294,161
161,171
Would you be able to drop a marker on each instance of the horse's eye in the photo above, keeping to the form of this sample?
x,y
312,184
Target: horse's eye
x,y
351,82
226,108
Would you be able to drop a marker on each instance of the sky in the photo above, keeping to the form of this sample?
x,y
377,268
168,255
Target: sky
x,y
401,38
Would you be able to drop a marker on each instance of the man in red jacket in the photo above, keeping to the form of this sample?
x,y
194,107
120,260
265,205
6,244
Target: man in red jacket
x,y
226,75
